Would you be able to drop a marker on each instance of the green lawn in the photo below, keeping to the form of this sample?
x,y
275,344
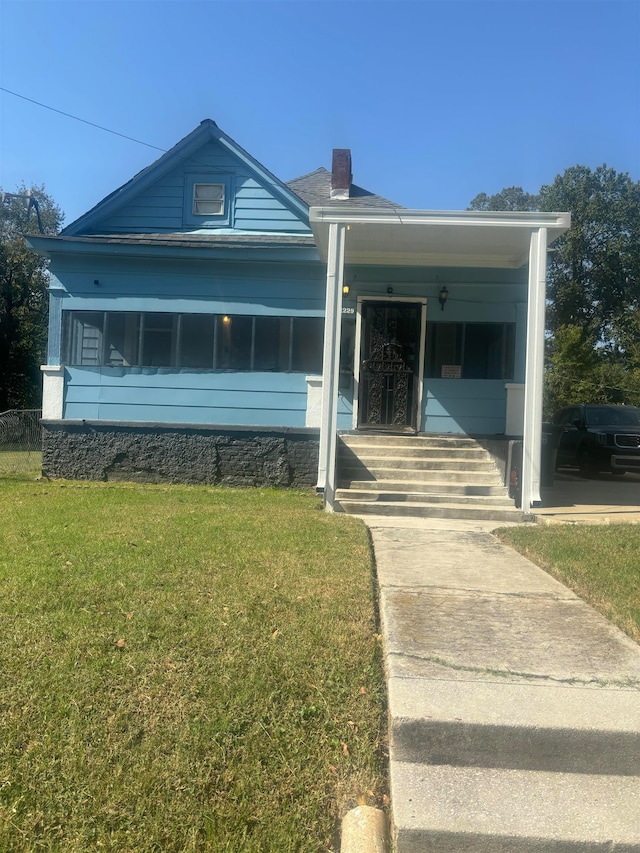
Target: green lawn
x,y
21,462
600,563
184,669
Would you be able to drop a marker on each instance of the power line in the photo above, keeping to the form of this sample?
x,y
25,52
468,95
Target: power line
x,y
83,120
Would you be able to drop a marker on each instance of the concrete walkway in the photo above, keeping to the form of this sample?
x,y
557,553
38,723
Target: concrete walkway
x,y
514,707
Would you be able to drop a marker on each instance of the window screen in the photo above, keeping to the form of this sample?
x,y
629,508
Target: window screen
x,y
477,350
208,199
195,341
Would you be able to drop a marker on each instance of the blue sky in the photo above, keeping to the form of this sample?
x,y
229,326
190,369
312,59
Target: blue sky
x,y
437,100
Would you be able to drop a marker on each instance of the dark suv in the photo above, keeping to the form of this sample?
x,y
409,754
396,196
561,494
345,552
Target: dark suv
x,y
599,438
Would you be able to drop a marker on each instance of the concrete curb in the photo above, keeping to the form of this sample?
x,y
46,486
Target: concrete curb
x,y
364,830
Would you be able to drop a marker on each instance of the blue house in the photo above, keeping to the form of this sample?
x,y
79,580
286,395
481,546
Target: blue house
x,y
210,323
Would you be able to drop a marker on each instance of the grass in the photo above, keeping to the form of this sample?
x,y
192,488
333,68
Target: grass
x,y
26,463
600,563
183,669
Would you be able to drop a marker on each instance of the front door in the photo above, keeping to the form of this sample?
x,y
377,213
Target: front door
x,y
389,355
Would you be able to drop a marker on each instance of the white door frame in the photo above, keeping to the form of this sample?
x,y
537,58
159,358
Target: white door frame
x,y
422,300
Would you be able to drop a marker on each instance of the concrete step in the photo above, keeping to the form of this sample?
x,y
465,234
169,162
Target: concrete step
x,y
414,509
541,727
425,441
420,475
421,463
394,451
432,487
382,494
443,809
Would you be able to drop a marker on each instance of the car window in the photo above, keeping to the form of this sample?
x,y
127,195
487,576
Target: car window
x,y
612,416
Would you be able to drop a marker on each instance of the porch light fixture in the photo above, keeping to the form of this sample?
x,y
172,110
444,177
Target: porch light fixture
x,y
226,319
345,290
442,298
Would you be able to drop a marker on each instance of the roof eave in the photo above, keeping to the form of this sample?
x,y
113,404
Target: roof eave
x,y
52,247
420,225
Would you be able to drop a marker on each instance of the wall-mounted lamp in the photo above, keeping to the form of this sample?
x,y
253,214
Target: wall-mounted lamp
x,y
389,290
96,283
226,319
443,296
345,290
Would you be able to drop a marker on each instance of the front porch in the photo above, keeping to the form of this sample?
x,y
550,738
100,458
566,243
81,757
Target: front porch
x,y
438,318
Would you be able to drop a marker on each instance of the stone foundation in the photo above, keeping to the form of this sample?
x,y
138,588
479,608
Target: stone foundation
x,y
176,453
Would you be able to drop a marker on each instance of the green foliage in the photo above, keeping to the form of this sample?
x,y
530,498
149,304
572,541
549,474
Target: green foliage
x,y
23,298
594,272
579,370
593,311
510,198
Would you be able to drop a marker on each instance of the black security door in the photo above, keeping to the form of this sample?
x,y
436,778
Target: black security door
x,y
389,365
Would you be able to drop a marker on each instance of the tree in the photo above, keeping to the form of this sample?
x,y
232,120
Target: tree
x,y
23,296
510,198
594,272
577,370
593,311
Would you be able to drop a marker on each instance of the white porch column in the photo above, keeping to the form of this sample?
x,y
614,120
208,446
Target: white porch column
x,y
331,363
532,438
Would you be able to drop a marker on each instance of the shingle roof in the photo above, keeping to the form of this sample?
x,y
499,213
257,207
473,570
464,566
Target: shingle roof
x,y
315,190
197,240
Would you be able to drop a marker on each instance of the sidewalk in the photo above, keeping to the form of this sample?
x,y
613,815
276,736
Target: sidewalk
x,y
605,500
514,707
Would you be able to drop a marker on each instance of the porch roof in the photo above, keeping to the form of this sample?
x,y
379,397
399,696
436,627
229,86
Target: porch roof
x,y
460,238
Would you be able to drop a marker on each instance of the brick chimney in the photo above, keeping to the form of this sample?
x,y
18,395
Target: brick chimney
x,y
341,173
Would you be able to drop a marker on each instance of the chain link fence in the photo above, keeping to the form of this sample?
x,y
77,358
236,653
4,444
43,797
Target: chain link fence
x,y
20,442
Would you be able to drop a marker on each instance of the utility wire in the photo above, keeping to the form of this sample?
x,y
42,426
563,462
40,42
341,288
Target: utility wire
x,y
83,120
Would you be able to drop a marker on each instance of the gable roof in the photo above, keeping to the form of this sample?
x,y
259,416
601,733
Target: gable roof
x,y
315,190
206,131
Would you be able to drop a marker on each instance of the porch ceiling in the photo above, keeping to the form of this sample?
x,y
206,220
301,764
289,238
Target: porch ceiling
x,y
384,237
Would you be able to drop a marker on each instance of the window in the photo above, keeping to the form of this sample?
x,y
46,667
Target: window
x,y
234,342
308,336
208,199
158,340
84,343
196,338
121,336
194,341
478,350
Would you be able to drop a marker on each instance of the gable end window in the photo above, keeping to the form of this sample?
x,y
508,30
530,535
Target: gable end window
x,y
208,200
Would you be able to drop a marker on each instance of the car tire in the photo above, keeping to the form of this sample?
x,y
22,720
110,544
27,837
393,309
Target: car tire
x,y
587,470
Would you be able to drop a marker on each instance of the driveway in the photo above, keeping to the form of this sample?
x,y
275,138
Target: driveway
x,y
605,500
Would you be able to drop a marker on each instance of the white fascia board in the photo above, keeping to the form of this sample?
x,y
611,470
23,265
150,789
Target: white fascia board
x,y
509,219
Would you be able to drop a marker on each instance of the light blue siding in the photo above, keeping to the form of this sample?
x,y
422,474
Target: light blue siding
x,y
148,395
161,207
197,286
467,406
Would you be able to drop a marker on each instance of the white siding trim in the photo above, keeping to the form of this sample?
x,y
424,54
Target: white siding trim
x,y
52,392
